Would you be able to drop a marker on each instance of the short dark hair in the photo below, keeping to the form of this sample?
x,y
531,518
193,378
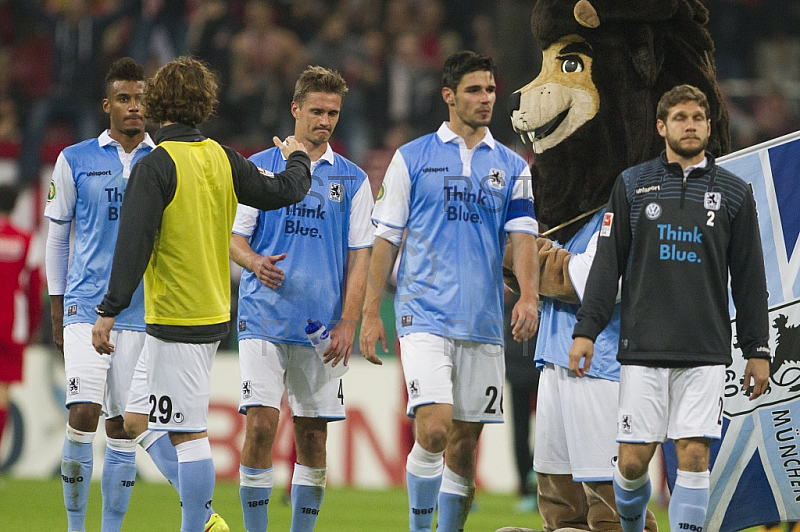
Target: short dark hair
x,y
123,69
182,91
318,79
680,94
8,198
462,63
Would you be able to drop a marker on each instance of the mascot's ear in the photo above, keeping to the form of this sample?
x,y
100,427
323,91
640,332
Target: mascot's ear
x,y
585,14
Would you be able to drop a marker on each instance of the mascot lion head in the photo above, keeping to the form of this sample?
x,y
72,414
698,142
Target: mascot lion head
x,y
591,111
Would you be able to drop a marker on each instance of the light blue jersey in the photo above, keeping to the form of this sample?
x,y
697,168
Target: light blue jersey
x,y
89,181
558,318
315,234
456,206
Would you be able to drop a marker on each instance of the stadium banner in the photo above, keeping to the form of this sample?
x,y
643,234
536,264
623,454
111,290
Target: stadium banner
x,y
755,467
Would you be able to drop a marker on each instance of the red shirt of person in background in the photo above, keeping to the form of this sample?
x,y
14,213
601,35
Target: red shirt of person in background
x,y
20,298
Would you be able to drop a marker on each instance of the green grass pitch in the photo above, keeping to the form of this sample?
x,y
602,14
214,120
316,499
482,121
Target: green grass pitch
x,y
37,506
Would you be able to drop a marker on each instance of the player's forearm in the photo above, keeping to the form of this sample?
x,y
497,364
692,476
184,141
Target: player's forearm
x,y
356,284
384,253
269,193
241,253
57,311
526,265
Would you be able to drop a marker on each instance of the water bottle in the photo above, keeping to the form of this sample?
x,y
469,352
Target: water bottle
x,y
320,339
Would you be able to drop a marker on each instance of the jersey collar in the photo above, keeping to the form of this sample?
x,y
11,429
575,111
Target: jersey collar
x,y
447,135
327,157
105,139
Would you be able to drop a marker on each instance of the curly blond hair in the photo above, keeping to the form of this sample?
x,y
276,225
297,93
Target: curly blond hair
x,y
183,91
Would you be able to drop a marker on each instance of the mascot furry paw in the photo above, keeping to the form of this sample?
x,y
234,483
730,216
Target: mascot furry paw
x,y
589,115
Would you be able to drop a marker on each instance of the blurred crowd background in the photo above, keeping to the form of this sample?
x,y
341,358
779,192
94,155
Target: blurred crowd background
x,y
54,53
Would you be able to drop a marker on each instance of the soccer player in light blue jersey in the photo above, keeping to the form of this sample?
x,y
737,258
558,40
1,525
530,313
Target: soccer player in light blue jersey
x,y
455,193
89,181
323,245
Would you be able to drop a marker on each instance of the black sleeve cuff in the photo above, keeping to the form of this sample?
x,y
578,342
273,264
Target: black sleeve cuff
x,y
103,311
759,352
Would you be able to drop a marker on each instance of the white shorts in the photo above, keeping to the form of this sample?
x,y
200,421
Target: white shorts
x,y
179,381
96,378
267,368
575,425
468,375
675,403
139,396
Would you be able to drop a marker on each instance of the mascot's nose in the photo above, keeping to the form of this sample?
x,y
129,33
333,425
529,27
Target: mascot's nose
x,y
513,102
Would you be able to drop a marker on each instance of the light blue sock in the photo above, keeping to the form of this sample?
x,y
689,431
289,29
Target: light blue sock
x,y
77,462
196,483
255,489
308,490
632,497
163,454
423,479
119,474
455,499
689,502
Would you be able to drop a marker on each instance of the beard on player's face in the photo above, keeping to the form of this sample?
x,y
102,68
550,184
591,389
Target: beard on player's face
x,y
132,132
687,148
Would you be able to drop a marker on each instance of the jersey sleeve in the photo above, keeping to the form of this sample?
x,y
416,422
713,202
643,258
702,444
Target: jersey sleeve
x,y
748,281
610,261
57,257
246,221
394,197
63,194
361,232
521,217
580,264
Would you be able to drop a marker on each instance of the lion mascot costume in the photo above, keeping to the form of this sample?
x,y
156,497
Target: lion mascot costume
x,y
589,115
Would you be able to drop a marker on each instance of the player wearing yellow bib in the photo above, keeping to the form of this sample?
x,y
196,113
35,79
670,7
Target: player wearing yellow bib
x,y
175,228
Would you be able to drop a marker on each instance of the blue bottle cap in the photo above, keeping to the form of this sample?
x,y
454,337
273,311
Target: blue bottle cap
x,y
313,326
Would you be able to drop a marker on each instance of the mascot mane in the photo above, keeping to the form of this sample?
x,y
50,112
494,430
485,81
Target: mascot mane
x,y
591,112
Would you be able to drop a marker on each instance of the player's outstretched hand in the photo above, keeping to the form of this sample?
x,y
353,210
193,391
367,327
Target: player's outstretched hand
x,y
289,146
524,319
101,335
582,348
372,330
757,371
265,270
342,336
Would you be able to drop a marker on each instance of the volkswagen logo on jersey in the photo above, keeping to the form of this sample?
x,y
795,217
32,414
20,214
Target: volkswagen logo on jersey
x,y
652,211
712,201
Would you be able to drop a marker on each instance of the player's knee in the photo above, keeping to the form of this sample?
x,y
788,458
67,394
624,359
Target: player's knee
x,y
262,429
135,425
631,466
692,455
433,437
84,416
115,429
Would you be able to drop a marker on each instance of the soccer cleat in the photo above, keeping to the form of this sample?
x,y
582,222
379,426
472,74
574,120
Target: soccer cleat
x,y
217,524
